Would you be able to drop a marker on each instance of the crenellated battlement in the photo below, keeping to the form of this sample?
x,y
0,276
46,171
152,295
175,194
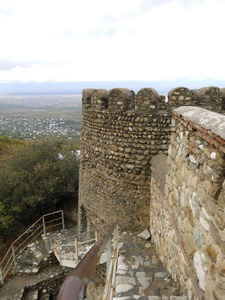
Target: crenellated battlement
x,y
147,100
121,132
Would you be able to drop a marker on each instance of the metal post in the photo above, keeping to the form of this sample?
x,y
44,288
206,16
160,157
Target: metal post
x,y
63,223
44,225
1,276
76,252
96,235
52,242
60,258
115,258
109,245
13,254
85,269
110,278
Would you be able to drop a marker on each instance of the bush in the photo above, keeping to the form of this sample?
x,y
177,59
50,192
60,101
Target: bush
x,y
34,177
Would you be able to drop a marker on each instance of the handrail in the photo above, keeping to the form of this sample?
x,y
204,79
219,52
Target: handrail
x,y
111,269
35,230
75,285
87,238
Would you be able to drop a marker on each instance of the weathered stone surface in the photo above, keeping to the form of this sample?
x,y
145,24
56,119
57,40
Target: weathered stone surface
x,y
199,270
190,243
187,221
117,146
122,280
210,249
198,236
123,288
178,298
145,281
145,234
161,275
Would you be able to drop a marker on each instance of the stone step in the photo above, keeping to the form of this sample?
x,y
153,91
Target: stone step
x,y
44,296
31,295
32,260
15,292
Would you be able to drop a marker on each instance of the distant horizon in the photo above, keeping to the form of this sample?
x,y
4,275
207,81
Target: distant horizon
x,y
76,87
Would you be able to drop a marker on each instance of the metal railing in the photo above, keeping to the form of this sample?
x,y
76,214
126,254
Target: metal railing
x,y
111,266
82,243
74,287
42,225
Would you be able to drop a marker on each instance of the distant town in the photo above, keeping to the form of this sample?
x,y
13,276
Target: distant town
x,y
26,128
31,117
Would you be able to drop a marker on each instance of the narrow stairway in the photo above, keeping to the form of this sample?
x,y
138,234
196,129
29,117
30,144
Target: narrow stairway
x,y
37,273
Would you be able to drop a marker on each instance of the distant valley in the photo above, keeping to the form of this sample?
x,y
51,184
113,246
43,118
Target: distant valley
x,y
33,109
33,116
75,88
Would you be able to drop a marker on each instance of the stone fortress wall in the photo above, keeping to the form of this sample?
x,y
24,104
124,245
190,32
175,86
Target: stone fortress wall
x,y
187,211
121,132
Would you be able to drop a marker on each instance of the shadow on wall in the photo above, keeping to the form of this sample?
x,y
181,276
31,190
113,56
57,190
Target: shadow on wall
x,y
83,219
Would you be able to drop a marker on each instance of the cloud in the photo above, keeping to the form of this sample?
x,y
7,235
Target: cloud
x,y
6,65
115,39
68,34
190,3
115,18
93,33
148,5
6,10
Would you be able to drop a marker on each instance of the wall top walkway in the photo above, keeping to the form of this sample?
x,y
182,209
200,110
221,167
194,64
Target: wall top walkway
x,y
160,164
207,119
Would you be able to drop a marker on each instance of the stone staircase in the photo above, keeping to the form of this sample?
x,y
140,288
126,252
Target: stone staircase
x,y
140,274
36,257
64,247
37,273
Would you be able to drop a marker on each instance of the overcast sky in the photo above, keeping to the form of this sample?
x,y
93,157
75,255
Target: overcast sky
x,y
82,40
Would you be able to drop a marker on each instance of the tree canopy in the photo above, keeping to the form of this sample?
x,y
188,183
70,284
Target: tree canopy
x,y
34,177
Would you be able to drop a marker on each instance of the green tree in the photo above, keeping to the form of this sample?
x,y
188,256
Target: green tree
x,y
34,178
6,143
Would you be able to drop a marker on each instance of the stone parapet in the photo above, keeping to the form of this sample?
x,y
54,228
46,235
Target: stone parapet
x,y
116,149
188,203
121,132
148,100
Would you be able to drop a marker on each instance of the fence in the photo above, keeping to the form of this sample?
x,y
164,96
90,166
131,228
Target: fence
x,y
75,285
42,225
82,243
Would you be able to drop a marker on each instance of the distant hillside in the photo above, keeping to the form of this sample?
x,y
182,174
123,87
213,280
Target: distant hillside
x,y
75,88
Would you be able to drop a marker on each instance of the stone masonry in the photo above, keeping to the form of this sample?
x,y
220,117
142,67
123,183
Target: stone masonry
x,y
121,132
188,203
119,137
